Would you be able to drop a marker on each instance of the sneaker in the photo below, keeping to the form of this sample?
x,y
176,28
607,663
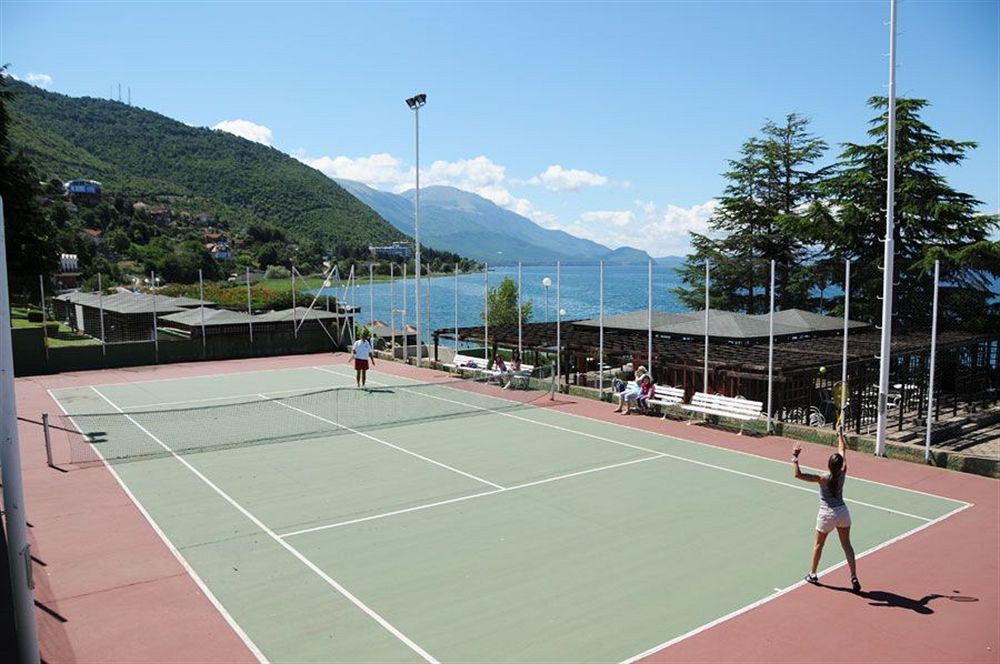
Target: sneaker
x,y
812,578
855,584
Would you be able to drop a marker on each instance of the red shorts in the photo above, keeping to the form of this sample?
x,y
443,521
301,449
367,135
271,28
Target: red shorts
x,y
360,365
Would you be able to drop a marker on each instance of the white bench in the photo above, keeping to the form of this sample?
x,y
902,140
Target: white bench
x,y
736,408
479,366
667,396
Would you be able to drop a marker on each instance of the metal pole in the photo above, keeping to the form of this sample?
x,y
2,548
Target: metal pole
x,y
295,322
705,381
427,306
930,386
201,296
48,440
887,274
156,334
558,324
249,307
45,329
486,312
416,229
392,307
770,356
600,344
406,337
18,547
519,309
100,307
649,323
847,311
371,293
456,308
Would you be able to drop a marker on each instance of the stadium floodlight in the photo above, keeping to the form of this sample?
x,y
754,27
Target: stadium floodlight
x,y
415,103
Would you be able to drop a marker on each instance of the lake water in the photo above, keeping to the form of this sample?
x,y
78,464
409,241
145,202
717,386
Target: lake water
x,y
625,289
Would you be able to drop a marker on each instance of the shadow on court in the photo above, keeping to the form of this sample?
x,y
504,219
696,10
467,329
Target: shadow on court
x,y
893,600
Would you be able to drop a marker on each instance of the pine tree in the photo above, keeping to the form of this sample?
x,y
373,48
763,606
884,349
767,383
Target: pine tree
x,y
769,203
932,220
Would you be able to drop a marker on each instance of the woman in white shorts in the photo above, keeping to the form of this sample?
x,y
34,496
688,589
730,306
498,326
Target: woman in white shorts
x,y
833,512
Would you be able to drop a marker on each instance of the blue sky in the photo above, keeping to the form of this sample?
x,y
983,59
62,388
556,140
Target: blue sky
x,y
613,121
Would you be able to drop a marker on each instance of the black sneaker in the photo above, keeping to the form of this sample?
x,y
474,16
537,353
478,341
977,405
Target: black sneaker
x,y
812,578
855,584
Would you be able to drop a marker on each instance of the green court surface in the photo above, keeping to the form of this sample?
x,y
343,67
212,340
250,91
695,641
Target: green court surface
x,y
430,522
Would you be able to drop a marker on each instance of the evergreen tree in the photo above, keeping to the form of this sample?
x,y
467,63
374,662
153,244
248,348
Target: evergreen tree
x,y
769,203
932,220
29,234
502,302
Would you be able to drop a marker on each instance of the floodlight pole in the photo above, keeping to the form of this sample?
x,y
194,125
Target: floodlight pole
x,y
558,324
600,343
705,381
18,547
415,103
486,313
649,324
930,385
847,311
887,267
770,356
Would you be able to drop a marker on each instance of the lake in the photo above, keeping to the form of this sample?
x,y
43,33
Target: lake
x,y
625,289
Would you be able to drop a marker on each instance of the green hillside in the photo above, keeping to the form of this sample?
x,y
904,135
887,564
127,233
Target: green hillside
x,y
142,154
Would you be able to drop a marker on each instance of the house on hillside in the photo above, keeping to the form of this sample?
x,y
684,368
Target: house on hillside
x,y
87,192
396,250
68,275
204,218
93,235
160,216
220,251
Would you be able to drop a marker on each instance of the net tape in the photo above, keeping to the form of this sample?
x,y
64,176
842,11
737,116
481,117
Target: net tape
x,y
115,436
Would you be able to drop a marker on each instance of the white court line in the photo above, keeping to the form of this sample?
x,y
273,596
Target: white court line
x,y
684,440
247,641
260,524
417,508
797,487
229,374
765,600
388,444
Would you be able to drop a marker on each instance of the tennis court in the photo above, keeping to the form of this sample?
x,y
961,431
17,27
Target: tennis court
x,y
448,522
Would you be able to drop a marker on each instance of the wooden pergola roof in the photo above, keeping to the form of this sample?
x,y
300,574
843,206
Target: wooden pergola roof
x,y
790,356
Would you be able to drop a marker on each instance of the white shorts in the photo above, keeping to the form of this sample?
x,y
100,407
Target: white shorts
x,y
832,517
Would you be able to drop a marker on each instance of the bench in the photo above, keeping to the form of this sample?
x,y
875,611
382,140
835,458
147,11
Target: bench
x,y
736,408
667,396
479,366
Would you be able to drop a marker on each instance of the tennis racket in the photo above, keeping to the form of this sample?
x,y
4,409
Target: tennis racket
x,y
841,395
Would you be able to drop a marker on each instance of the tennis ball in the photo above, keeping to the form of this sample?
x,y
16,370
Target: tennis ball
x,y
822,370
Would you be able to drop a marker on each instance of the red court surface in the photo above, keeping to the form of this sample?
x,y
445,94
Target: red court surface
x,y
110,589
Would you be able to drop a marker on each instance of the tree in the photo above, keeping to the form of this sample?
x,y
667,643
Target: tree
x,y
502,301
768,205
28,232
932,221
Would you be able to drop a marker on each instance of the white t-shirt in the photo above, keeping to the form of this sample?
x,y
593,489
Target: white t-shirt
x,y
362,349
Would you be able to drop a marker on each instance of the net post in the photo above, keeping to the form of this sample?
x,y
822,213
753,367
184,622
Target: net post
x,y
48,440
45,328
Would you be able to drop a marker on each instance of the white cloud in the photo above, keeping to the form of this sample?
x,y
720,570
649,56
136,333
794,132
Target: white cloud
x,y
557,178
660,232
41,80
246,129
382,171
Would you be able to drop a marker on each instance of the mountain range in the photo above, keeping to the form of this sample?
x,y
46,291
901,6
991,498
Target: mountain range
x,y
465,223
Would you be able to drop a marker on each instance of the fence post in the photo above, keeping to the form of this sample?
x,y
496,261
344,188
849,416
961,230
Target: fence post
x,y
249,307
156,336
201,296
100,302
295,322
45,328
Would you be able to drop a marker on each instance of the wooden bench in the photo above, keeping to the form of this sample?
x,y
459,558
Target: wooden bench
x,y
735,408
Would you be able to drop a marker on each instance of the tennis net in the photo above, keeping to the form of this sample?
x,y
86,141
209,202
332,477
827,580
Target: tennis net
x,y
140,434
